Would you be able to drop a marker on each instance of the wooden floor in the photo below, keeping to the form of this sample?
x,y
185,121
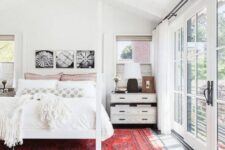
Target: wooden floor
x,y
171,143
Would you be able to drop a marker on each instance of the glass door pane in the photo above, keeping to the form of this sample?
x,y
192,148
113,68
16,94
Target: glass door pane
x,y
197,75
178,108
201,74
221,126
191,55
201,119
191,115
201,52
221,23
220,102
221,74
178,75
191,76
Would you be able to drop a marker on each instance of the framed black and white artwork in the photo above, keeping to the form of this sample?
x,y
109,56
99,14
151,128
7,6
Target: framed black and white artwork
x,y
64,59
85,59
44,59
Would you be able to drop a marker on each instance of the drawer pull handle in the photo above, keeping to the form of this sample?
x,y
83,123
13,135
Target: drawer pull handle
x,y
122,119
122,97
144,98
144,119
121,111
144,111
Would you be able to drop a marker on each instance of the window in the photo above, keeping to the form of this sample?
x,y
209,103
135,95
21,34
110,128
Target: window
x,y
178,75
7,46
133,49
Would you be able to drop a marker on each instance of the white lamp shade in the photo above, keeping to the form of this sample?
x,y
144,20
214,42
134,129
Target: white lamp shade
x,y
132,71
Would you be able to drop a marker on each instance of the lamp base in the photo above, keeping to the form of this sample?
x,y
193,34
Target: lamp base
x,y
132,86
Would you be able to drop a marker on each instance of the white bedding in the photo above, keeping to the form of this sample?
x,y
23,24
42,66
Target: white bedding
x,y
82,118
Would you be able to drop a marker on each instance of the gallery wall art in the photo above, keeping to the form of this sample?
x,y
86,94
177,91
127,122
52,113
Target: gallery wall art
x,y
85,59
44,59
65,59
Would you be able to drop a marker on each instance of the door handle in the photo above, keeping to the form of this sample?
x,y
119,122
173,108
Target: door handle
x,y
208,93
211,94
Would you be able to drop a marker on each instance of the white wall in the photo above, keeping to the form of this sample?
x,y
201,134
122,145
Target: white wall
x,y
67,25
51,24
118,21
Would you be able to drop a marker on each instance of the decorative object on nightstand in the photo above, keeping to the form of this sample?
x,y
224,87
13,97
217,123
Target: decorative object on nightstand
x,y
8,92
133,108
132,72
4,83
148,84
116,80
6,75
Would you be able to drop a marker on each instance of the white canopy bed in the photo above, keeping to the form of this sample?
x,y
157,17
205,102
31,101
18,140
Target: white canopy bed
x,y
87,117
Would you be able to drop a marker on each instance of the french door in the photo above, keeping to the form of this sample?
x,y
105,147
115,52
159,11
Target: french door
x,y
196,79
199,101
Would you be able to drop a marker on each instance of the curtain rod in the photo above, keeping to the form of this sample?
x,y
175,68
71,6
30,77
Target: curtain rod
x,y
174,11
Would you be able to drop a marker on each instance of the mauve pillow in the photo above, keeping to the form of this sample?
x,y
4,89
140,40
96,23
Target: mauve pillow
x,y
79,77
33,76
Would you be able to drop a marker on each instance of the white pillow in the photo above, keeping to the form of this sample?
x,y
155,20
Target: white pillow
x,y
25,84
87,86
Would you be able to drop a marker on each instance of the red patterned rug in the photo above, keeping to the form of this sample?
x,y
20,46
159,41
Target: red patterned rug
x,y
123,139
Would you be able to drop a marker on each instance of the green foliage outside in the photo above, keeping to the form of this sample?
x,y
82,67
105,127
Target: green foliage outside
x,y
221,42
202,68
221,65
127,52
221,30
201,39
6,51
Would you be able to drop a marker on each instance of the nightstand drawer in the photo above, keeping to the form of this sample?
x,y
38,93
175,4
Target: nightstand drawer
x,y
122,98
138,110
137,119
133,98
150,98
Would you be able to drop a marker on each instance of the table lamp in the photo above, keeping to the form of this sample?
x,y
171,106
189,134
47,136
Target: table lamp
x,y
132,72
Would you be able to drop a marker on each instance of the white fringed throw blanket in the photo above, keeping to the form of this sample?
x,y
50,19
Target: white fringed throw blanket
x,y
52,111
10,120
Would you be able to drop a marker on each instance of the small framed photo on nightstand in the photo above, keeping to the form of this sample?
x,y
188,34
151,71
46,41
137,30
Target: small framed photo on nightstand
x,y
148,84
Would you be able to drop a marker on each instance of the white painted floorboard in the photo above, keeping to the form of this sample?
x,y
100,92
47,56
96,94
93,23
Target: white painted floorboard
x,y
171,143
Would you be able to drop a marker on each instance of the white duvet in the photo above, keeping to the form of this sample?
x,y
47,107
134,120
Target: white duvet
x,y
82,116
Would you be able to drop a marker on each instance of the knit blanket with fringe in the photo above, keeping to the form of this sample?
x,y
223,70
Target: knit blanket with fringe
x,y
52,111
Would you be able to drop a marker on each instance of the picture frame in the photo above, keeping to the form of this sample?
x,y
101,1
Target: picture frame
x,y
64,59
44,59
148,84
85,59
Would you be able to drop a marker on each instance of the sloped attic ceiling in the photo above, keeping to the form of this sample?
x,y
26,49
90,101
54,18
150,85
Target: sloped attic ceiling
x,y
155,10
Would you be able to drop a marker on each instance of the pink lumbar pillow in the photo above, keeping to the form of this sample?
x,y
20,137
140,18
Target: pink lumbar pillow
x,y
33,76
79,77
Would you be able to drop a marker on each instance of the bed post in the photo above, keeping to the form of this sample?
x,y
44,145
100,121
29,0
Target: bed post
x,y
98,112
99,77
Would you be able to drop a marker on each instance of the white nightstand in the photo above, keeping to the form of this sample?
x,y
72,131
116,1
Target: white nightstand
x,y
133,108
